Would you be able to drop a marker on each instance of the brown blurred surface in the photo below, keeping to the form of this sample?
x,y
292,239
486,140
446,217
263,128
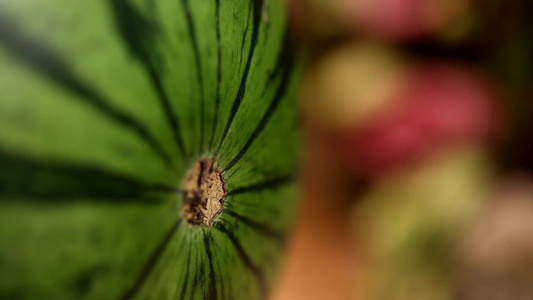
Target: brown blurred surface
x,y
319,263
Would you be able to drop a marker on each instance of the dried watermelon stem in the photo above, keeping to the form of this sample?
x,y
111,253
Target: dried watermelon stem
x,y
204,192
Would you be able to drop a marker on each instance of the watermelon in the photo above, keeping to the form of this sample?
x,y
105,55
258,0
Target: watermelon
x,y
147,148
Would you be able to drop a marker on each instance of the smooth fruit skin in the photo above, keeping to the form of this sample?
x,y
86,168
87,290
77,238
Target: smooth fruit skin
x,y
104,107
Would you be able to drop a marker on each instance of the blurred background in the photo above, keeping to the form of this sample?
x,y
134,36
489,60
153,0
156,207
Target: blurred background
x,y
418,161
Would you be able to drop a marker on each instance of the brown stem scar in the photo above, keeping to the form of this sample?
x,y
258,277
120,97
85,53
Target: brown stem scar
x,y
204,193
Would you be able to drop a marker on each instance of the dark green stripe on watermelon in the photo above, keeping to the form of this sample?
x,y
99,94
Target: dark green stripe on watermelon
x,y
283,70
212,290
269,184
257,9
140,35
255,270
185,283
23,178
192,33
263,229
152,260
219,75
42,58
105,108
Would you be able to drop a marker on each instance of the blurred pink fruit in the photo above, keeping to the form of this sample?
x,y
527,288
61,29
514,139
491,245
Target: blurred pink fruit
x,y
401,19
442,106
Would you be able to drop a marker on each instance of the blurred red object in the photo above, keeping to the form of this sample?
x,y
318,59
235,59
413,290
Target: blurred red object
x,y
442,106
401,19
